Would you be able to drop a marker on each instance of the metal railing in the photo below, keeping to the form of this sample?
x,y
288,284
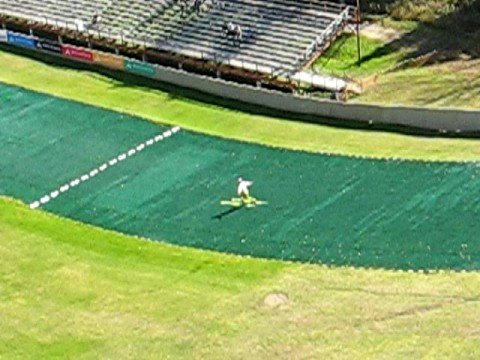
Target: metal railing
x,y
330,31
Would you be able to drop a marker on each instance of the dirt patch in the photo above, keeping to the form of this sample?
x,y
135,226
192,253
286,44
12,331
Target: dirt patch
x,y
378,32
275,301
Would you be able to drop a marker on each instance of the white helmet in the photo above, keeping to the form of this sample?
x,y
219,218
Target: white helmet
x,y
240,179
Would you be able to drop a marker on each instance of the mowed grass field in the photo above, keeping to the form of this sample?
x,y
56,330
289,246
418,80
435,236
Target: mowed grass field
x,y
70,290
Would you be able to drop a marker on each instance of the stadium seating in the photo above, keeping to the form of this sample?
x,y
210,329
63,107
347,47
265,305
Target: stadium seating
x,y
277,35
70,11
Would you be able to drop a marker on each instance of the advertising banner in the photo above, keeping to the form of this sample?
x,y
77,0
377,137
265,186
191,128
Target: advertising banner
x,y
108,60
20,40
139,67
50,46
77,53
3,35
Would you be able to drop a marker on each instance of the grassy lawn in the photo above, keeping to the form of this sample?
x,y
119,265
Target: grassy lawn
x,y
379,49
451,80
399,25
342,59
69,290
206,117
455,84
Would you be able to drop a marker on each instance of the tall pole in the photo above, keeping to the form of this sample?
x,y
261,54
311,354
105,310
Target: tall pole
x,y
358,31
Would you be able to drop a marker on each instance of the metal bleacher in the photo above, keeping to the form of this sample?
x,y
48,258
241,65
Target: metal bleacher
x,y
278,36
62,11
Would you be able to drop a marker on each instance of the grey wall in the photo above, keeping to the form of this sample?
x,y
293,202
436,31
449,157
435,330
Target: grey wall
x,y
450,120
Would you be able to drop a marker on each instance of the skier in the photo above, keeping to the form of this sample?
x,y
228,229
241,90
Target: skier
x,y
243,192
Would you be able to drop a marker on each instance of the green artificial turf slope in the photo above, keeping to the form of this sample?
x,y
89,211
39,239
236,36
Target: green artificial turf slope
x,y
327,209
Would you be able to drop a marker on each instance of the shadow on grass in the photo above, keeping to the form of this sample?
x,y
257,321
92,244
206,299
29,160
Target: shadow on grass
x,y
226,213
384,50
193,96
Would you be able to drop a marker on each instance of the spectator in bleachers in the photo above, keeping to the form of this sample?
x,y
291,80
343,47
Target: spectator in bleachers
x,y
233,31
188,6
198,5
96,18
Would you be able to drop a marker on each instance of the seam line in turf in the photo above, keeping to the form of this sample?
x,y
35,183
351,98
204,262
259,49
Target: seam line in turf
x,y
102,168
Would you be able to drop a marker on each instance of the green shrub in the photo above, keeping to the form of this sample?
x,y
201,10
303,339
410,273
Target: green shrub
x,y
420,10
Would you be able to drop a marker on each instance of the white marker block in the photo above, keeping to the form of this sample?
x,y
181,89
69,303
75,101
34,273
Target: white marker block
x,y
74,183
54,194
45,199
85,177
167,134
34,205
93,173
113,162
158,138
131,152
150,142
176,129
64,188
122,157
140,147
103,167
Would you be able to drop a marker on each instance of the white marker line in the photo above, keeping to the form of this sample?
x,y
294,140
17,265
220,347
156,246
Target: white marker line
x,y
88,176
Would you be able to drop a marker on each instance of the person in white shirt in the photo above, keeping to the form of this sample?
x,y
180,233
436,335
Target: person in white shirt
x,y
242,189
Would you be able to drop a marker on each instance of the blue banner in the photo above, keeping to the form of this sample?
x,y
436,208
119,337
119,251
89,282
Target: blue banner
x,y
21,40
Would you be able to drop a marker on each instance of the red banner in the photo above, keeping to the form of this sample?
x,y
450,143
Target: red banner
x,y
77,53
